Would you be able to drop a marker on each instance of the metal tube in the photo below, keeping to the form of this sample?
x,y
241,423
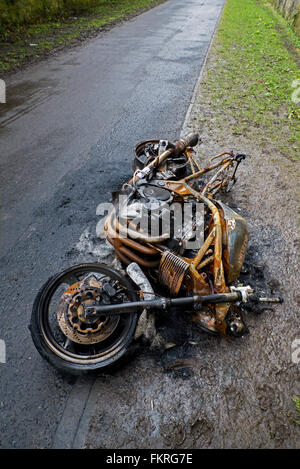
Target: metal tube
x,y
129,242
167,302
203,248
205,170
139,260
215,176
205,262
219,278
131,255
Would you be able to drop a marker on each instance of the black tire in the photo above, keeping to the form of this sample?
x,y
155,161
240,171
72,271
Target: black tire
x,y
113,348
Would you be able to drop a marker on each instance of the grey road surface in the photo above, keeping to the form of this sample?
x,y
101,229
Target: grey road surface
x,y
67,136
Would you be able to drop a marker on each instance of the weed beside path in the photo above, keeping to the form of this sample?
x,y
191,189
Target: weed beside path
x,y
27,44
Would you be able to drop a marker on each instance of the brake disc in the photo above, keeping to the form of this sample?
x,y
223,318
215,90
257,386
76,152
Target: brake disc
x,y
70,313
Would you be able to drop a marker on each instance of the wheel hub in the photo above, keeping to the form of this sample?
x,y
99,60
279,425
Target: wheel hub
x,y
73,321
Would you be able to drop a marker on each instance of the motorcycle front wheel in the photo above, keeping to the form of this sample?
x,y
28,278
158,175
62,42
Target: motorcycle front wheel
x,y
69,340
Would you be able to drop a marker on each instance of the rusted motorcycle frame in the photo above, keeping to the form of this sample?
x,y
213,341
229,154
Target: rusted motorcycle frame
x,y
85,317
216,258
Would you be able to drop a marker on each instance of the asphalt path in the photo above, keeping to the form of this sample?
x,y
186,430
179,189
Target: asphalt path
x,y
67,136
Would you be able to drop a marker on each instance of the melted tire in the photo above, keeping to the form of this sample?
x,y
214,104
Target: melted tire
x,y
53,352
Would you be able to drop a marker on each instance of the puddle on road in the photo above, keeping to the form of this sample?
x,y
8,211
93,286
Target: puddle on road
x,y
24,97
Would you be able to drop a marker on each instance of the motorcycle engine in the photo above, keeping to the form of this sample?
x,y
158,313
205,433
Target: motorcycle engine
x,y
160,216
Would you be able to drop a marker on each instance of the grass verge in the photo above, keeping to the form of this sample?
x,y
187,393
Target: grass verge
x,y
27,43
252,82
297,404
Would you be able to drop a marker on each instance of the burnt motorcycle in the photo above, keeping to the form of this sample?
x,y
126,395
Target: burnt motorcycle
x,y
86,317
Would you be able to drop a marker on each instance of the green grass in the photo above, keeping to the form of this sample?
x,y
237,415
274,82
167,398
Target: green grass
x,y
26,42
257,61
16,13
296,401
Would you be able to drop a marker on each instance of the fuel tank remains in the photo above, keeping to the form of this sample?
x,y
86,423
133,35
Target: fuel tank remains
x,y
235,241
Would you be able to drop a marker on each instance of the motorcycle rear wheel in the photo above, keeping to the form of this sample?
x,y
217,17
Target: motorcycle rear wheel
x,y
67,355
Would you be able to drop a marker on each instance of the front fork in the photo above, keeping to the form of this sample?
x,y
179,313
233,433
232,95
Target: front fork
x,y
237,295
